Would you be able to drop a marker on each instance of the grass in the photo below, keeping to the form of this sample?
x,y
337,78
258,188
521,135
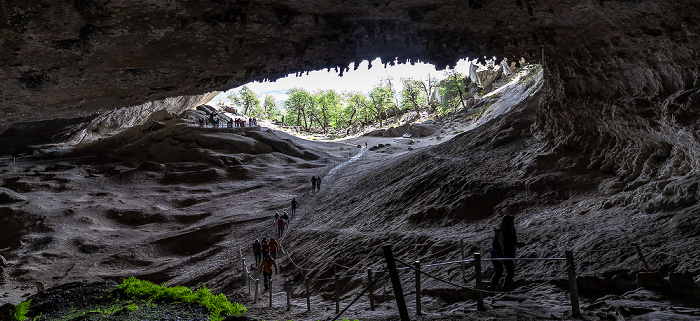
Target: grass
x,y
21,310
216,304
136,299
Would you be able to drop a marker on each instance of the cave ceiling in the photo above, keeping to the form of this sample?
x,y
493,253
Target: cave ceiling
x,y
63,59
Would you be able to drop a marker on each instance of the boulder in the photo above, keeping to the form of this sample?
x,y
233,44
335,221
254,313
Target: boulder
x,y
207,109
9,196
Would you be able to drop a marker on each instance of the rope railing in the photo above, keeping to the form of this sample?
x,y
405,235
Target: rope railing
x,y
379,277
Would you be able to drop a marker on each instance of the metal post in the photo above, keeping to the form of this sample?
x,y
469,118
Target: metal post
x,y
289,295
270,288
573,287
396,283
371,288
308,294
257,282
337,293
641,257
477,275
464,266
418,303
248,281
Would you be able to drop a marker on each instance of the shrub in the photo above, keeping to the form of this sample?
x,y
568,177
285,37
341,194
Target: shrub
x,y
216,304
21,310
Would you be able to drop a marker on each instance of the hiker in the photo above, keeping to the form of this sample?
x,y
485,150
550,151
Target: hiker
x,y
503,246
318,183
294,207
266,269
274,246
265,247
277,217
285,218
280,227
313,183
257,251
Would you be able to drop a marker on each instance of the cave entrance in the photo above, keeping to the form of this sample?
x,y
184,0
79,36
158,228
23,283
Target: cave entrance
x,y
371,94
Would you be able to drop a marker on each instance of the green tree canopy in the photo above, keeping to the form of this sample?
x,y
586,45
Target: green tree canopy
x,y
413,95
246,100
298,105
452,90
380,99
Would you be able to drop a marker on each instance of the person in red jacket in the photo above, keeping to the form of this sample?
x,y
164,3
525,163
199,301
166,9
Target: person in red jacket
x,y
274,247
280,227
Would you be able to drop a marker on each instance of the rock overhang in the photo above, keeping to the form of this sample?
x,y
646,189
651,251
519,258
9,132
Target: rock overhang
x,y
68,59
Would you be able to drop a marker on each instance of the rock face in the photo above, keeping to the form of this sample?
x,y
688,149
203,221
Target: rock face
x,y
71,59
22,137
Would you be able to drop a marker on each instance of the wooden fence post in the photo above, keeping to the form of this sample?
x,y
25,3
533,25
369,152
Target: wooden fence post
x,y
337,293
289,294
257,282
270,288
641,257
418,298
396,283
308,294
573,287
477,274
371,288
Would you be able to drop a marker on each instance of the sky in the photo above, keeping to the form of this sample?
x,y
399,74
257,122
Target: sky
x,y
362,79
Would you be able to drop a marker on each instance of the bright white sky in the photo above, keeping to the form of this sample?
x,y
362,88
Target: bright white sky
x,y
361,80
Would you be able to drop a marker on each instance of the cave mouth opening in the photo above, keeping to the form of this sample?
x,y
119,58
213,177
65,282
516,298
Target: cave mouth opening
x,y
360,77
377,92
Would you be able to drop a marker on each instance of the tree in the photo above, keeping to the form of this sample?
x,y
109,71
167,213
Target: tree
x,y
357,107
412,95
246,99
299,103
380,101
329,105
270,110
452,90
429,90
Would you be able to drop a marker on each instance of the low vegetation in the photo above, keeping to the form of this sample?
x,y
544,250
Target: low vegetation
x,y
136,299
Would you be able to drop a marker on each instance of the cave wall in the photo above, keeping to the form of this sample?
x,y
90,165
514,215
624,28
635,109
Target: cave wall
x,y
79,56
621,76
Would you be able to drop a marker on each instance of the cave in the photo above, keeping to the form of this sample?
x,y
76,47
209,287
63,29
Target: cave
x,y
605,154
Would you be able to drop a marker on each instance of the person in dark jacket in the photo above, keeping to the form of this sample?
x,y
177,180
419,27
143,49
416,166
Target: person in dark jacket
x,y
257,251
503,246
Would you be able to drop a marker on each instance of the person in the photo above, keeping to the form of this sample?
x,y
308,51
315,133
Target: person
x,y
318,183
265,247
274,247
285,218
294,207
280,227
313,183
257,251
503,246
266,268
277,217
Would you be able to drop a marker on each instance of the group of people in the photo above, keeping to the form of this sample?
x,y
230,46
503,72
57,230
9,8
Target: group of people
x,y
315,183
265,254
214,120
282,222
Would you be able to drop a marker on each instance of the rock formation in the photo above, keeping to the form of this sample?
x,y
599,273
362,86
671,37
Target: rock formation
x,y
612,137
